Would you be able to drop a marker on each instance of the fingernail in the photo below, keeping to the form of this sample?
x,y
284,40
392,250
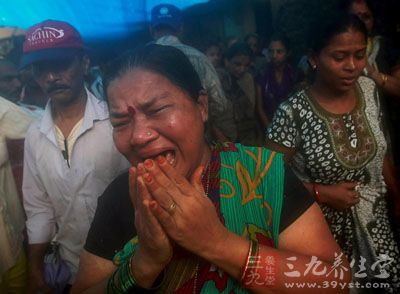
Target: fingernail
x,y
147,177
148,163
153,205
161,159
140,168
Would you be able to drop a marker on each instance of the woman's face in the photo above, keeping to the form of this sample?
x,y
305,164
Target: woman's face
x,y
363,12
341,62
151,117
238,65
214,55
277,53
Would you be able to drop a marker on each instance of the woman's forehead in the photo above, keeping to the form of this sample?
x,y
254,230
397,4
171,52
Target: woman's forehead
x,y
350,37
142,87
137,80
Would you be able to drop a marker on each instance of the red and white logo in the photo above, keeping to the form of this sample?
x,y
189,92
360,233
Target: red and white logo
x,y
45,35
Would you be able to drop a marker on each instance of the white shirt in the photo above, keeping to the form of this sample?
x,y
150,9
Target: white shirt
x,y
67,144
58,197
13,125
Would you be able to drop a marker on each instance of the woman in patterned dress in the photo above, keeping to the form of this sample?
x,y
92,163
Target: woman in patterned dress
x,y
331,134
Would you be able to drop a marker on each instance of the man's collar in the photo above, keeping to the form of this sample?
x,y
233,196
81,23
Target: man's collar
x,y
95,109
168,40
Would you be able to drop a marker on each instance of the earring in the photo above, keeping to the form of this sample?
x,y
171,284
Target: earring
x,y
314,66
148,134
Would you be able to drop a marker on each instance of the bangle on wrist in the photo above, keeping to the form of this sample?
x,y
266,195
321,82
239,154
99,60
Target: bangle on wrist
x,y
252,261
384,79
317,196
123,281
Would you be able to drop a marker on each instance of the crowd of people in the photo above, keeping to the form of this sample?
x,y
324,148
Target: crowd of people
x,y
221,169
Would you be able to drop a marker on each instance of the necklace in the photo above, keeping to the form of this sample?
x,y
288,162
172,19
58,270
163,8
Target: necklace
x,y
208,171
196,269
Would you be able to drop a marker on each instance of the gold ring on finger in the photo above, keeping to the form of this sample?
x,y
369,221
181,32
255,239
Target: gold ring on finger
x,y
171,209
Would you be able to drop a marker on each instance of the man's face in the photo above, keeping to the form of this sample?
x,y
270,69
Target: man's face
x,y
10,85
61,80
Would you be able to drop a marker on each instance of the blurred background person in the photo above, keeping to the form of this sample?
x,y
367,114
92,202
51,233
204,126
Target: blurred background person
x,y
213,51
14,123
240,89
384,68
11,88
258,60
10,84
277,80
166,26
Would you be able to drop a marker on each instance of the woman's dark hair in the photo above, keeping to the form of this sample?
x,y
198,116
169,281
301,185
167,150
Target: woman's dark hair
x,y
329,27
238,49
164,60
280,37
347,4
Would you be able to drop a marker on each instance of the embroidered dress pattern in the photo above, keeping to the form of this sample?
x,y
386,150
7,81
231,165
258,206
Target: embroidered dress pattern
x,y
344,148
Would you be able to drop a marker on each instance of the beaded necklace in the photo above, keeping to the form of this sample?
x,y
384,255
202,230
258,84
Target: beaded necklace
x,y
207,184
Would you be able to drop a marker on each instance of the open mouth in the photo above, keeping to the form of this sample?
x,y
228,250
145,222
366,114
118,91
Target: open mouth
x,y
168,154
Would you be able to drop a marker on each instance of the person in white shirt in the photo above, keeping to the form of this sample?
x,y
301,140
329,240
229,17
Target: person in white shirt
x,y
11,88
69,154
13,264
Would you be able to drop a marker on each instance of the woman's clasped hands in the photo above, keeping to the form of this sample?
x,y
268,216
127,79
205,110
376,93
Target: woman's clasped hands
x,y
169,209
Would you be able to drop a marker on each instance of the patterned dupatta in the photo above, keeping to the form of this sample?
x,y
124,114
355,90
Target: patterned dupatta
x,y
246,186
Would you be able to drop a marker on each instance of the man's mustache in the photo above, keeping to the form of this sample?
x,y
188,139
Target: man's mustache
x,y
53,88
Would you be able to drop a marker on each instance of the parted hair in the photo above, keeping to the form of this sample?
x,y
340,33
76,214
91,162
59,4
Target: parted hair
x,y
164,60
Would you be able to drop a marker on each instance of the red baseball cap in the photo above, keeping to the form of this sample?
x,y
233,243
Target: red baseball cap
x,y
49,40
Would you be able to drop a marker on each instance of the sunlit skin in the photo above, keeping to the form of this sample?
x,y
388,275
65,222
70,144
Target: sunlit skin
x,y
214,55
362,10
277,53
341,62
151,117
238,65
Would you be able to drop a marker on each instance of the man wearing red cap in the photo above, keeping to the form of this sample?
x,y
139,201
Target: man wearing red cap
x,y
69,154
166,26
